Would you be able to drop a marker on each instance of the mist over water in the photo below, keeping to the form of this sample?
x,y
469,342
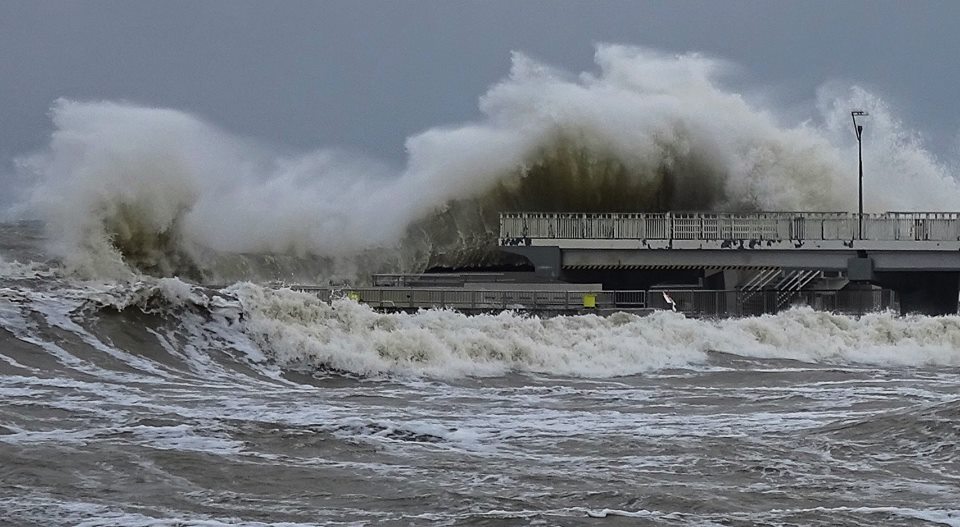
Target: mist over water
x,y
166,193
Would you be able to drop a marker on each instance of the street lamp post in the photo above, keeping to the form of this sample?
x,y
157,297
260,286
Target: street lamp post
x,y
859,130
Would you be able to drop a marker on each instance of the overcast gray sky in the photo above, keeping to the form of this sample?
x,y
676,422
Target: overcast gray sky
x,y
364,75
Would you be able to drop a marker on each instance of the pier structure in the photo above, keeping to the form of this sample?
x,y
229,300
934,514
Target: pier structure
x,y
411,293
916,254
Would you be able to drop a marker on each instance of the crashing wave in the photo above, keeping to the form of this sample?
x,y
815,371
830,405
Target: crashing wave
x,y
162,192
298,331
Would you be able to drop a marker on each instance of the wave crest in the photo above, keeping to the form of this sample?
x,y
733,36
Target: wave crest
x,y
165,193
300,331
297,331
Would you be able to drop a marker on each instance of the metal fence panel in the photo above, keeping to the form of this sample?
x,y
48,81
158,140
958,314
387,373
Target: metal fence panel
x,y
703,303
727,226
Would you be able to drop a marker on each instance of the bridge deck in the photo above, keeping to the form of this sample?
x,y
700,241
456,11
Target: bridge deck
x,y
761,230
891,242
915,253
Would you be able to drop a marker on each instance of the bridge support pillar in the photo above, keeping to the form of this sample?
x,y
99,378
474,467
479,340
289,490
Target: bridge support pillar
x,y
546,260
860,269
924,292
726,280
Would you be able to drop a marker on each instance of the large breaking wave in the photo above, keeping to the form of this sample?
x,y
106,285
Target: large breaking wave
x,y
295,331
166,193
302,331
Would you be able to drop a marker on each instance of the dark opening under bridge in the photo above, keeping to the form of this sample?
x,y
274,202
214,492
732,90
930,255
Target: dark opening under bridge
x,y
916,254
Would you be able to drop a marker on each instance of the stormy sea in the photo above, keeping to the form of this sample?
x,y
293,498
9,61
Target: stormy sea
x,y
157,370
159,402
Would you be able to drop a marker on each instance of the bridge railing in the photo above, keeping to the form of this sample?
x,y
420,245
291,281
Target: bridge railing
x,y
917,226
700,303
731,303
459,298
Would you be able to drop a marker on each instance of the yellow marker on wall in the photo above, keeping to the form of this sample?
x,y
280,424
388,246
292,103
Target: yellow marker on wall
x,y
590,300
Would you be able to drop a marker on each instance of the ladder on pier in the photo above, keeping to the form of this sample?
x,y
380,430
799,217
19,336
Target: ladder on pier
x,y
792,283
785,285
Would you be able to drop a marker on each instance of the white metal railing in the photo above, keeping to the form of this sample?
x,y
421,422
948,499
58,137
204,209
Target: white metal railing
x,y
917,226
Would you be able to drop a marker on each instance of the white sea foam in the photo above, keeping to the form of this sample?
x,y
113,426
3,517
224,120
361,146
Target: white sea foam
x,y
948,517
299,331
46,510
15,270
296,330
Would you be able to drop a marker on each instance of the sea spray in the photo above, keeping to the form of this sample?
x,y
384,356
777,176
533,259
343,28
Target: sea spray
x,y
163,192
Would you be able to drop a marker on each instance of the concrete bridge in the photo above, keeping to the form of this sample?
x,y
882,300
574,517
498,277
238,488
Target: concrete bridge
x,y
915,253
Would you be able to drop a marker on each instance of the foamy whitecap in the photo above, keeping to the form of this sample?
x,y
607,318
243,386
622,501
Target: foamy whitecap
x,y
299,331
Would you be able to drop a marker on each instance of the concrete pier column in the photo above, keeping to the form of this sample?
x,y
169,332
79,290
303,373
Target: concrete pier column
x,y
727,280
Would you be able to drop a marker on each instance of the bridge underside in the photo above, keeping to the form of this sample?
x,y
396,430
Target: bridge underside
x,y
927,282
